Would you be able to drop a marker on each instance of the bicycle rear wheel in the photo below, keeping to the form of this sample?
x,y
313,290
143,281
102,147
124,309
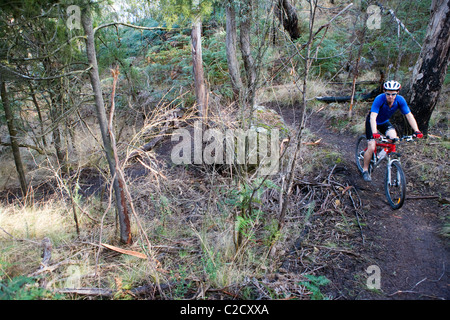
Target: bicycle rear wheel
x,y
361,147
395,185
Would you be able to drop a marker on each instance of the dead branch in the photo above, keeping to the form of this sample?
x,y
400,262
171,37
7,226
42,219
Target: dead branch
x,y
7,72
47,252
46,257
149,288
124,251
23,146
333,249
421,197
400,24
131,26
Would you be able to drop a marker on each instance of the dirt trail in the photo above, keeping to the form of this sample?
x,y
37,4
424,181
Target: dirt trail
x,y
405,244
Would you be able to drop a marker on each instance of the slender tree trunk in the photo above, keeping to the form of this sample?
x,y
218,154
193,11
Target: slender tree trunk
x,y
231,38
55,107
249,63
39,112
197,64
356,70
302,111
55,112
13,136
124,222
431,67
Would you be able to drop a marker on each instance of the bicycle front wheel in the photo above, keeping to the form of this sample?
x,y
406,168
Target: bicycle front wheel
x,y
395,185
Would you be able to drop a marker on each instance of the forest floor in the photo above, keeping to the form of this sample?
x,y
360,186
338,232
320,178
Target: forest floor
x,y
406,244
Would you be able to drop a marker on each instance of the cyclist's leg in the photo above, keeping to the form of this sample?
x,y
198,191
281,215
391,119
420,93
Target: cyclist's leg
x,y
389,131
371,144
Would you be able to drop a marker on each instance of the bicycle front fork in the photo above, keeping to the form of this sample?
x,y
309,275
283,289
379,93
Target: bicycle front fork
x,y
388,172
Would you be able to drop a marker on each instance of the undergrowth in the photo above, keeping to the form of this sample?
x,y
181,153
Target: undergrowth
x,y
187,225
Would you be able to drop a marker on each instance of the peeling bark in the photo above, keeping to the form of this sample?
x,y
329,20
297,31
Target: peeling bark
x,y
287,15
431,67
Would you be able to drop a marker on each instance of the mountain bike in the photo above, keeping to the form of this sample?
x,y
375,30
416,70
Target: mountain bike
x,y
395,181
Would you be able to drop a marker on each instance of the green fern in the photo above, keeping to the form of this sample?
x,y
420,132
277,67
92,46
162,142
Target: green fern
x,y
314,284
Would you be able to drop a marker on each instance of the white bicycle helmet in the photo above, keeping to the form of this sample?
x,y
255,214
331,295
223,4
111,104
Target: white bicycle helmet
x,y
392,85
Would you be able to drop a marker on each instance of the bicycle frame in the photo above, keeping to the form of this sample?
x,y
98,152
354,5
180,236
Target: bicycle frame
x,y
389,147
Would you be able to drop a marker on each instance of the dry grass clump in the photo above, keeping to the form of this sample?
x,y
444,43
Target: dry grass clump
x,y
290,93
22,228
49,218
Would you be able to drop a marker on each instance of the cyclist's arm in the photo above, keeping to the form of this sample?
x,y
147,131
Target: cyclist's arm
x,y
412,121
373,122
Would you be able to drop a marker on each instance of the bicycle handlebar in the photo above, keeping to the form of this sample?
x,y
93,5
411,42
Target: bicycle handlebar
x,y
407,138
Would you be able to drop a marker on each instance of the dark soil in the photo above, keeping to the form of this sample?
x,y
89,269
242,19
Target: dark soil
x,y
405,244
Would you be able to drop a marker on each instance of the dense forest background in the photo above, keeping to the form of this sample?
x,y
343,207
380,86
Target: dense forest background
x,y
92,204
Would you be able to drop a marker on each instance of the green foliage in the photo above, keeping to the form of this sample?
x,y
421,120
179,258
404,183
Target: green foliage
x,y
245,200
182,11
329,58
169,61
215,63
273,232
314,284
182,284
385,45
20,287
250,193
127,47
210,265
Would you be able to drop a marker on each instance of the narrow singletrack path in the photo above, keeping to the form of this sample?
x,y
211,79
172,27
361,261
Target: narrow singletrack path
x,y
404,244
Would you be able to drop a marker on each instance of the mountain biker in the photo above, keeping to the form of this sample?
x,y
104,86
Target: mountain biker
x,y
377,121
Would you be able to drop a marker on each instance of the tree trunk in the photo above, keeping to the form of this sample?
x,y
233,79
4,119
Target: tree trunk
x,y
233,64
356,70
287,15
431,67
38,110
249,64
13,136
124,222
55,112
302,111
197,64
